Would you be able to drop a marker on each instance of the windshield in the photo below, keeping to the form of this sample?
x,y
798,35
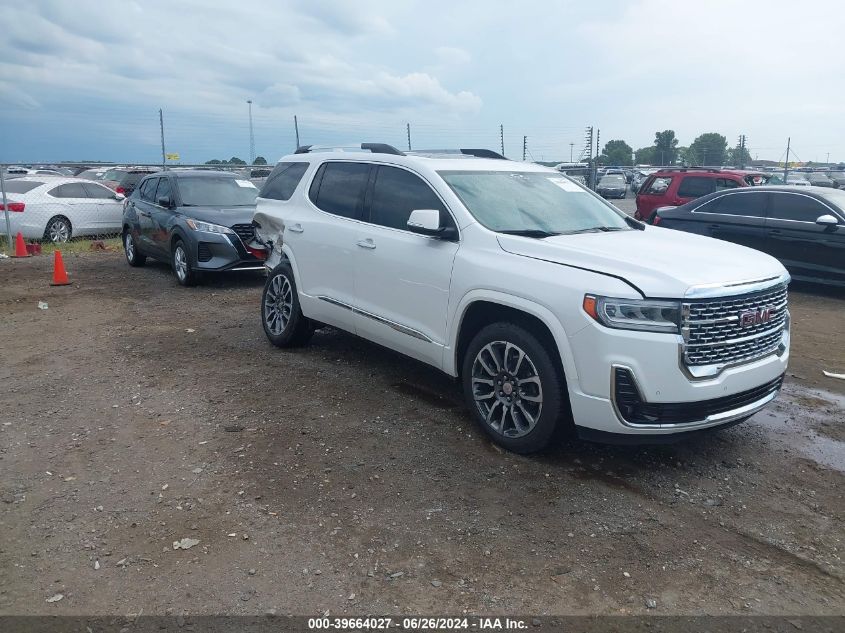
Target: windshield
x,y
612,181
541,202
222,191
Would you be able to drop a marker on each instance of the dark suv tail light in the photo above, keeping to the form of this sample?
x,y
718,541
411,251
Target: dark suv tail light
x,y
656,220
120,190
16,207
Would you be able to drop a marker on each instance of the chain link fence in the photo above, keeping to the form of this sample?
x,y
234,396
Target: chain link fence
x,y
78,206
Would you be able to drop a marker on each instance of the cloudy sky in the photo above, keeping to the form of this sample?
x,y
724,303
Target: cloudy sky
x,y
84,80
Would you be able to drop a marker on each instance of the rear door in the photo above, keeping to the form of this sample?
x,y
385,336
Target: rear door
x,y
690,187
807,249
76,206
402,278
109,210
322,233
143,204
160,218
738,217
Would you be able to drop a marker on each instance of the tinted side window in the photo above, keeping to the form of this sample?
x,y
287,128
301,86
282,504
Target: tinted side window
x,y
726,183
787,206
148,189
751,204
695,187
398,192
164,190
70,190
341,189
283,180
98,191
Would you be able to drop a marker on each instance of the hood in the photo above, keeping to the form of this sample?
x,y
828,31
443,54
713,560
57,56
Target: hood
x,y
658,262
220,215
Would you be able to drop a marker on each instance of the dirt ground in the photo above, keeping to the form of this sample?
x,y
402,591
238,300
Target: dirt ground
x,y
345,478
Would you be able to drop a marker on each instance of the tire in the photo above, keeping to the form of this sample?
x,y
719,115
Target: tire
x,y
515,385
133,257
58,230
281,316
180,260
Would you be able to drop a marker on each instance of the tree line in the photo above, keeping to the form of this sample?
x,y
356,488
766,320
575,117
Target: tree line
x,y
710,148
259,160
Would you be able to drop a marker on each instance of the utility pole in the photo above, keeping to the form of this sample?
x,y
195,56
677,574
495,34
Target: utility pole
x,y
502,137
161,125
704,156
598,144
408,129
827,160
524,147
251,135
296,129
571,146
786,164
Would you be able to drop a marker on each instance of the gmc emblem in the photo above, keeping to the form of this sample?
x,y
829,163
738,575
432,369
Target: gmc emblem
x,y
755,317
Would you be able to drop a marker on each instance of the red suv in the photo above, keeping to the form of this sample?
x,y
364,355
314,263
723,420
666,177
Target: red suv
x,y
674,187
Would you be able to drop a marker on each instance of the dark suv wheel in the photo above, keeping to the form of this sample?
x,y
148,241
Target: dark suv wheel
x,y
180,259
133,257
514,389
281,317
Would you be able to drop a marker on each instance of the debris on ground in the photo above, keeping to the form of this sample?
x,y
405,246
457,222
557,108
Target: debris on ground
x,y
830,374
42,305
55,597
185,543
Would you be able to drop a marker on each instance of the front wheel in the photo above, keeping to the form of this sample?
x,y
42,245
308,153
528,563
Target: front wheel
x,y
181,263
281,316
514,389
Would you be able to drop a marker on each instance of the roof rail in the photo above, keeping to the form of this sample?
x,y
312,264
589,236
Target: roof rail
x,y
478,153
713,170
375,148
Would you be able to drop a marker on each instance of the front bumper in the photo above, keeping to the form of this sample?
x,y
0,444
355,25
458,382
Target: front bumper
x,y
668,401
217,253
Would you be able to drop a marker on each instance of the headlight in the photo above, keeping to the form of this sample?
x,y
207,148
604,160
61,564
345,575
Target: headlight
x,y
208,227
634,314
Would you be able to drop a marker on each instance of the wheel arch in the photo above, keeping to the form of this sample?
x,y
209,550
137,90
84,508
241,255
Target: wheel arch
x,y
482,308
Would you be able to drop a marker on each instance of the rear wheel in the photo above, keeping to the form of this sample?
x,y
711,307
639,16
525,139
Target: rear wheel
x,y
133,257
281,316
58,230
514,389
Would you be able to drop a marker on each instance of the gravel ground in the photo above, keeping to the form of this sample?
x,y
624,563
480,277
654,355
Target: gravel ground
x,y
343,477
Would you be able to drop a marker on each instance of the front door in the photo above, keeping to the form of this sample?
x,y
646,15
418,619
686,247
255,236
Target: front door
x,y
737,217
160,218
807,249
402,278
108,211
143,203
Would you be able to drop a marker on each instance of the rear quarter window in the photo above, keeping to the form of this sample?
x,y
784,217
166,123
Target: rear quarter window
x,y
695,186
283,181
339,188
657,186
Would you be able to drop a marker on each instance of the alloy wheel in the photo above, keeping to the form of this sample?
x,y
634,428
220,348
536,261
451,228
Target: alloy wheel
x,y
180,261
58,231
506,389
129,246
278,305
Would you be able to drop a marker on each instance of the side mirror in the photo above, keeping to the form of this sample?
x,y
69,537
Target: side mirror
x,y
827,220
119,197
164,201
427,222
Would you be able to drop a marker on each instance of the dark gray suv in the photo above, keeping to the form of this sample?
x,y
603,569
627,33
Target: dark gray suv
x,y
199,221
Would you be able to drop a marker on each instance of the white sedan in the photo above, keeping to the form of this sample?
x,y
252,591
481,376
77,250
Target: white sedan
x,y
57,209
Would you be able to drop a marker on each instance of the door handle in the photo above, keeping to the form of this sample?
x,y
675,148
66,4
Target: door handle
x,y
296,228
367,243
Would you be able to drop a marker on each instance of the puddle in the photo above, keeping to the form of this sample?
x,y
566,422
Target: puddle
x,y
790,420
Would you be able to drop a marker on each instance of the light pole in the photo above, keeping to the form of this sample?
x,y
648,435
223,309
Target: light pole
x,y
571,145
251,135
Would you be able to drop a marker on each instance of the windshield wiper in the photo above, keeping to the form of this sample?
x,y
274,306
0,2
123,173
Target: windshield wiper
x,y
538,233
595,229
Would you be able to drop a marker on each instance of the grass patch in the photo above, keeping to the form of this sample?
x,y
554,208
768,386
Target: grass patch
x,y
79,245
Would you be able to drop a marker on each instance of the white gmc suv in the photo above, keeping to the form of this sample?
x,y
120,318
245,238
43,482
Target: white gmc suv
x,y
555,309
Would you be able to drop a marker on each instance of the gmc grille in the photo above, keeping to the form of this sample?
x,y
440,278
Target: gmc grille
x,y
728,330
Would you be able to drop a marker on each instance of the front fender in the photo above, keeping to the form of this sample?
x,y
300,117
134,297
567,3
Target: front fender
x,y
451,363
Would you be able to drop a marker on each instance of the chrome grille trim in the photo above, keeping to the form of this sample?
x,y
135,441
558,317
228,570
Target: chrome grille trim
x,y
713,334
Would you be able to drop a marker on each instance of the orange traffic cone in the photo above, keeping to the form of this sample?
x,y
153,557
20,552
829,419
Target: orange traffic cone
x,y
59,272
20,247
